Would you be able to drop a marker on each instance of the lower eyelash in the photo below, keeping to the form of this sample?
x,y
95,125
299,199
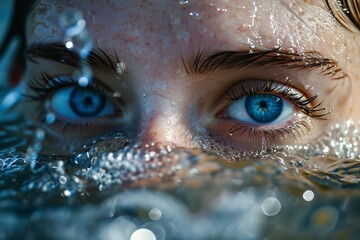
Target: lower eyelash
x,y
284,90
294,131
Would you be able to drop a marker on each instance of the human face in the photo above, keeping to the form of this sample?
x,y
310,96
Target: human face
x,y
227,76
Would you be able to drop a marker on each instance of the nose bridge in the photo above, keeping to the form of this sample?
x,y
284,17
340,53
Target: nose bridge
x,y
163,121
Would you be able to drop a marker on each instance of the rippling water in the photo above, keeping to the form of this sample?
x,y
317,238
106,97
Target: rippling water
x,y
114,189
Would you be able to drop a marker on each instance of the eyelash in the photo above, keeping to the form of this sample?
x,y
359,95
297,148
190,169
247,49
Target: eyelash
x,y
285,90
44,84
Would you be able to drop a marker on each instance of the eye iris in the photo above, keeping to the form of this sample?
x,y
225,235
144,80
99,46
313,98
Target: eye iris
x,y
85,102
263,108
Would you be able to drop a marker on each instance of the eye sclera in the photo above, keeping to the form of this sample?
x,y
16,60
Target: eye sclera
x,y
295,126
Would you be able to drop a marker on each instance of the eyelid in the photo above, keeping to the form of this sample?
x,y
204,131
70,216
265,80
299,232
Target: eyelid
x,y
44,84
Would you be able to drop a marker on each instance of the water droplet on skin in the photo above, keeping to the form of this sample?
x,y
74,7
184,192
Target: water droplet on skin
x,y
182,2
120,67
221,9
117,95
195,15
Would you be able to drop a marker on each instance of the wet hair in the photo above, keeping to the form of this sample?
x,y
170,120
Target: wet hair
x,y
346,12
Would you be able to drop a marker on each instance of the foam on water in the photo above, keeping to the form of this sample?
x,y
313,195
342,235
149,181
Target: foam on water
x,y
115,184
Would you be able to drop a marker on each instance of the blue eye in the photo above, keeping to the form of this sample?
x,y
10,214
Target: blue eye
x,y
261,109
78,102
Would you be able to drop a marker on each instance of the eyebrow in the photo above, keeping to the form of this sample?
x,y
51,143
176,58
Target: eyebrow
x,y
200,63
97,59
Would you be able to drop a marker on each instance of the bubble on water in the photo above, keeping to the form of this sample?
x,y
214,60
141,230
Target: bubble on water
x,y
119,229
157,229
62,179
308,195
155,214
271,206
325,218
143,234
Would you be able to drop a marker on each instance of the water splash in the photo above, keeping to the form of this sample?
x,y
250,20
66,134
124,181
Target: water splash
x,y
78,40
199,190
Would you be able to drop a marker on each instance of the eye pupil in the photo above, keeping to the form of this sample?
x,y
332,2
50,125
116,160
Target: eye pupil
x,y
86,102
262,104
263,108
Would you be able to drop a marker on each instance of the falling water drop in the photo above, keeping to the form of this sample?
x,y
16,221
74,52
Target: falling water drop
x,y
50,118
72,21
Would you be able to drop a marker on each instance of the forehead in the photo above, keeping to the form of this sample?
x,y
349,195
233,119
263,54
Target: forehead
x,y
168,25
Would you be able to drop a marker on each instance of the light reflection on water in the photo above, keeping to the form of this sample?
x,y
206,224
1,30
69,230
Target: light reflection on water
x,y
151,190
